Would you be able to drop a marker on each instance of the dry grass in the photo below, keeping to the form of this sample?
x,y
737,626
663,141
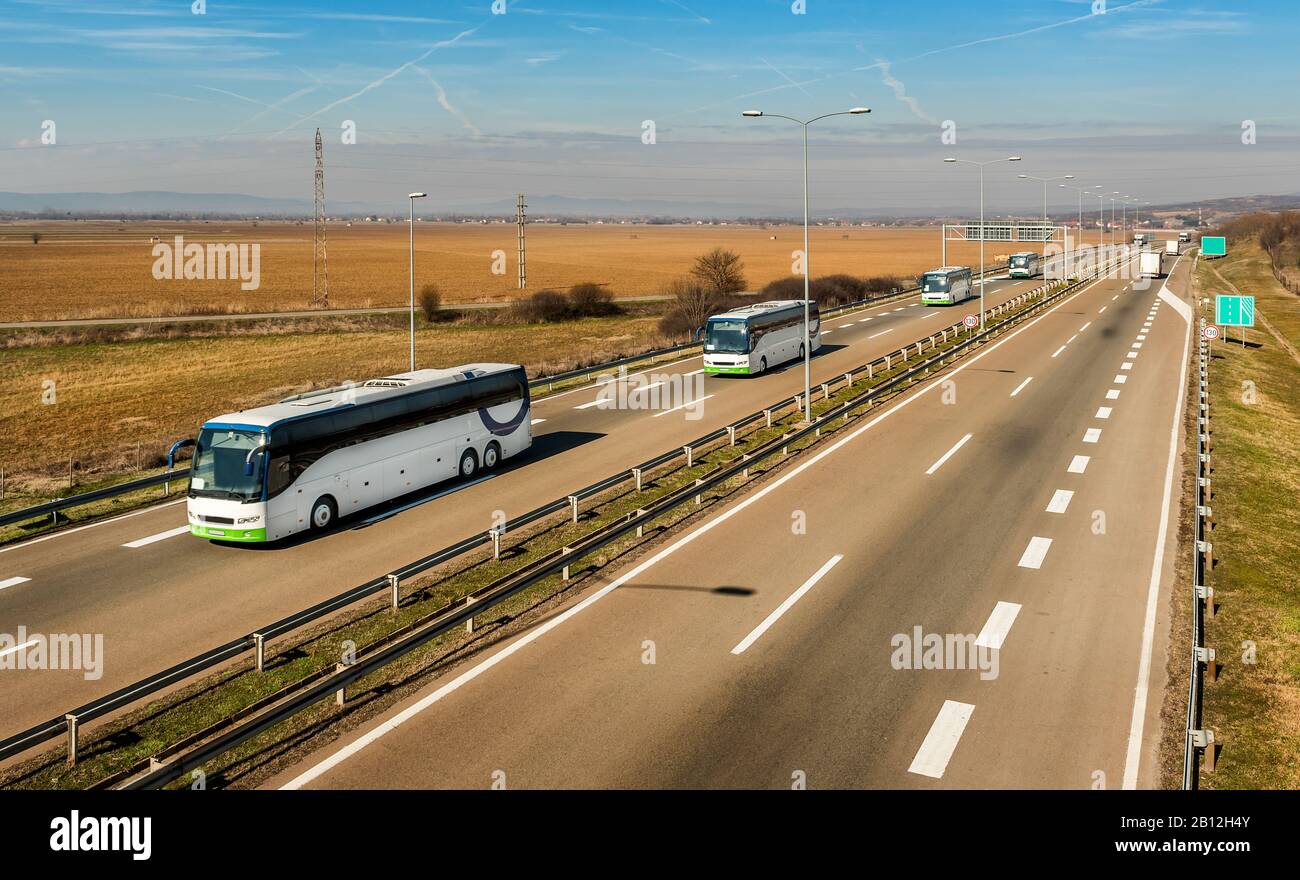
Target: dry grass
x,y
104,269
113,396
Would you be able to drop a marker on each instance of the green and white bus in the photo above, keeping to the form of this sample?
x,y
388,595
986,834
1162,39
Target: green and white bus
x,y
752,339
946,286
263,474
1024,265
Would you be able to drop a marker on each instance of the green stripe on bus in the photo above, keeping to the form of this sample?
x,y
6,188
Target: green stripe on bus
x,y
729,370
228,534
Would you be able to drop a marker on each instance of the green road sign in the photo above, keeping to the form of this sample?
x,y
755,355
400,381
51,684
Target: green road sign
x,y
1214,246
1234,311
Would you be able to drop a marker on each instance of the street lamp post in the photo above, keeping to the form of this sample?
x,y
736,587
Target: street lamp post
x,y
411,197
1045,181
1080,191
807,258
983,232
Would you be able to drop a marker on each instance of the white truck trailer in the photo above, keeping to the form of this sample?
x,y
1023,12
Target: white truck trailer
x,y
1150,264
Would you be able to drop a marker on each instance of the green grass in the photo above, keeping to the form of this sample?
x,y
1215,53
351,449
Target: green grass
x,y
1254,708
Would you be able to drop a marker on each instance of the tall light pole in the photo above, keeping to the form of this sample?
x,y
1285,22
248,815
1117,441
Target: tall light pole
x,y
983,232
807,258
1080,191
411,197
1045,181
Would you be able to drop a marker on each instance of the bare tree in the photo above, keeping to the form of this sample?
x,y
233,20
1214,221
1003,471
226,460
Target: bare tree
x,y
36,238
694,301
720,270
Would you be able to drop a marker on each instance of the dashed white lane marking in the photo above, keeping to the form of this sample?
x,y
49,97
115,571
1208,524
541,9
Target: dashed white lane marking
x,y
16,648
1102,309
103,522
1058,351
1092,435
161,536
1115,297
1021,386
1136,345
898,310
1141,337
947,455
786,605
1103,412
881,333
1085,326
1120,380
1078,464
936,749
684,405
15,581
1060,501
998,625
537,421
637,389
1127,365
1132,356
588,405
1112,394
1072,338
1035,553
827,332
864,320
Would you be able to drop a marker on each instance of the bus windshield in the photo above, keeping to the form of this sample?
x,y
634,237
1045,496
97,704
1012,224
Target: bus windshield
x,y
219,471
935,282
727,334
1020,261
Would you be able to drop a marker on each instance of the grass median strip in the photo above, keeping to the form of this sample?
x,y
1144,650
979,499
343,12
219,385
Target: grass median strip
x,y
196,711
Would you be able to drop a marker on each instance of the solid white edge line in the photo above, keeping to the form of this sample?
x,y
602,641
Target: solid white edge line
x,y
161,536
939,744
786,605
344,752
1133,758
995,630
947,455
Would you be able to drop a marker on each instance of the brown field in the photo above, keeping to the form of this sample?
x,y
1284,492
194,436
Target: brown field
x,y
85,269
111,397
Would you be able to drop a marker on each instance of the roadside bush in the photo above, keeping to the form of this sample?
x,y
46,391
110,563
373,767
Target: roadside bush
x,y
430,302
547,306
720,270
588,300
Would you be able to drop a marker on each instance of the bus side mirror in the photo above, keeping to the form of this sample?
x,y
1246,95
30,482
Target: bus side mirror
x,y
248,459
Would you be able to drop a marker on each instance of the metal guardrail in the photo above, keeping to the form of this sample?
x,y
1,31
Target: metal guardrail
x,y
160,773
1198,739
70,722
58,504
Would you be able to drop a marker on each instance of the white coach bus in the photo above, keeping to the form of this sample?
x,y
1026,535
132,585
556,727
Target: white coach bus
x,y
946,286
749,340
262,474
1024,265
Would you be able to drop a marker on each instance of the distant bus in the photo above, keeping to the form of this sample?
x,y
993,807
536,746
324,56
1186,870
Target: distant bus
x,y
946,286
265,473
752,339
1025,265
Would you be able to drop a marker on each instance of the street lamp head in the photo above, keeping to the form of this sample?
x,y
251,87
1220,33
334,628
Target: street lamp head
x,y
1023,176
859,110
950,159
1013,158
751,113
416,195
1069,177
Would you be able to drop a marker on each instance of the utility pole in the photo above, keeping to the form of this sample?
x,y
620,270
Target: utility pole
x,y
519,222
320,273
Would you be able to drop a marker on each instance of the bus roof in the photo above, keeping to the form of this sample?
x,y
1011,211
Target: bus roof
x,y
341,397
1025,254
762,308
946,270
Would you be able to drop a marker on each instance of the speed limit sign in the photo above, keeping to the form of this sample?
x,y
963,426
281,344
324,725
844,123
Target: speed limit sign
x,y
970,320
1211,331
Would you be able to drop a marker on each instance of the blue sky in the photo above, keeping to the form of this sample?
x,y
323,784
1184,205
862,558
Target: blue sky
x,y
550,97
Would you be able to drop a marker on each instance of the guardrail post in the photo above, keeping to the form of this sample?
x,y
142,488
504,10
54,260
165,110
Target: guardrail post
x,y
699,499
573,505
1206,548
1205,657
495,532
1204,740
1206,594
339,695
636,475
731,435
72,739
469,624
767,413
889,362
826,391
565,551
848,379
393,590
259,651
690,456
640,527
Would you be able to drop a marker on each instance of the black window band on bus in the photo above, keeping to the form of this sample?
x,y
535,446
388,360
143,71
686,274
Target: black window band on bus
x,y
295,445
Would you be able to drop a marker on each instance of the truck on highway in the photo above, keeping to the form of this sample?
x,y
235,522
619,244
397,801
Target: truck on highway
x,y
265,473
1171,247
1185,237
946,286
1024,265
1141,239
750,340
1150,264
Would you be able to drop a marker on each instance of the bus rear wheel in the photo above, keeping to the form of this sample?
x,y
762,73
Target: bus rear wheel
x,y
491,456
323,513
468,463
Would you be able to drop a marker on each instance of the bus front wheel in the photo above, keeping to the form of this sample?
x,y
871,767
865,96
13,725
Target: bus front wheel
x,y
323,513
762,365
468,463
